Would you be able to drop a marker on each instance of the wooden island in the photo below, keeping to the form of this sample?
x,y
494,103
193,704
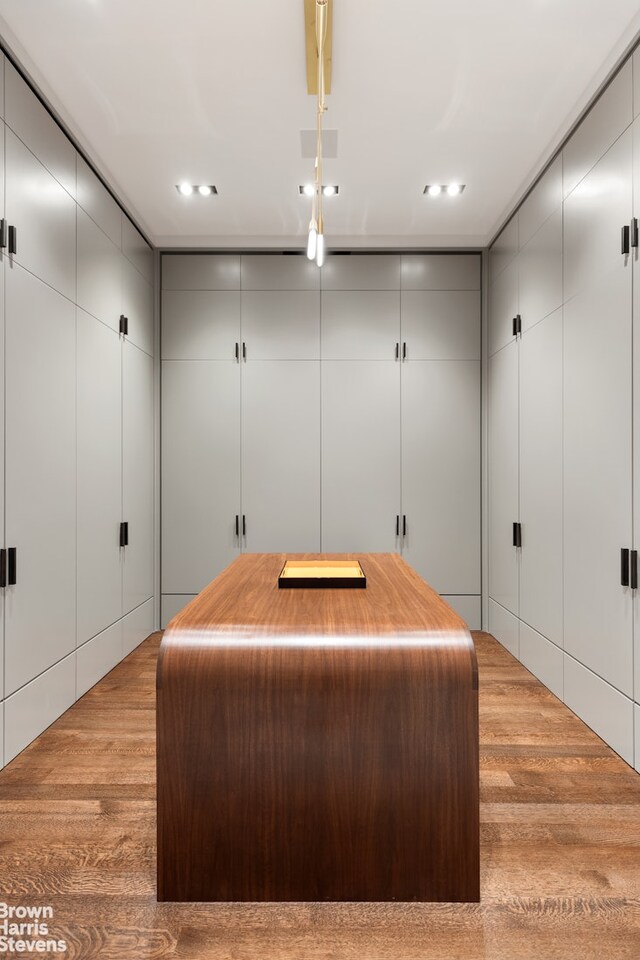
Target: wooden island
x,y
317,744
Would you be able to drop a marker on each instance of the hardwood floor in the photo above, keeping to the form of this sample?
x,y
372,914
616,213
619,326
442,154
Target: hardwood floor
x,y
560,843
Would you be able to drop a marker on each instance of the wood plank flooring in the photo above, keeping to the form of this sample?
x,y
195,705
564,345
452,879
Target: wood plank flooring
x,y
560,843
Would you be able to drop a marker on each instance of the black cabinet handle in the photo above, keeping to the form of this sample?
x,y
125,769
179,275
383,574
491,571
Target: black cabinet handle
x,y
124,534
3,234
624,567
404,349
3,568
13,566
397,351
124,325
624,240
237,525
397,524
237,351
517,534
13,240
634,570
404,525
634,232
244,350
244,525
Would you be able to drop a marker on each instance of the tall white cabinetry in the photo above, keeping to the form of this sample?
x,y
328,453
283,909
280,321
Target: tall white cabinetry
x,y
334,410
78,424
561,304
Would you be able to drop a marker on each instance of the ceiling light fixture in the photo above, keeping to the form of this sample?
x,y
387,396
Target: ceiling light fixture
x,y
451,189
315,240
204,190
328,189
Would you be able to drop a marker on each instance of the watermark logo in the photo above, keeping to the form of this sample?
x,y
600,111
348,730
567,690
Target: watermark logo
x,y
27,930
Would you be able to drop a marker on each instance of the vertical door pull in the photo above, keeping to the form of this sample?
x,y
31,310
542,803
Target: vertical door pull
x,y
13,240
404,525
624,240
634,232
624,567
3,568
237,351
124,325
517,535
404,349
244,350
3,234
397,351
124,534
12,565
634,570
244,525
237,525
514,327
397,524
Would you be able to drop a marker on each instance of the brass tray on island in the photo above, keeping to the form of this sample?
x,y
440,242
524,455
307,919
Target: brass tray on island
x,y
322,573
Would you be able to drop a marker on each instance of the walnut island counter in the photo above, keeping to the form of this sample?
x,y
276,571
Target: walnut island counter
x,y
317,744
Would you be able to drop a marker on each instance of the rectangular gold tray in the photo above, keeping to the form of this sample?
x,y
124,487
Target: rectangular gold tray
x,y
322,573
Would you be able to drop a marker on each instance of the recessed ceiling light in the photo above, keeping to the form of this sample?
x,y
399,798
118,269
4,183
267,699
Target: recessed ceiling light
x,y
328,189
451,189
204,190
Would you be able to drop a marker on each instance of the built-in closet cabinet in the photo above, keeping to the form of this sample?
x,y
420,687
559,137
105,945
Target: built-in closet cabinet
x,y
308,410
76,305
571,250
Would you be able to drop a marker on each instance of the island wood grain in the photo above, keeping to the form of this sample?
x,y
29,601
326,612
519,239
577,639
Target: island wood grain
x,y
318,744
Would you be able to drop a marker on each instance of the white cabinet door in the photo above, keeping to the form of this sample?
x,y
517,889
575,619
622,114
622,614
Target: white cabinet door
x,y
503,307
503,476
281,456
97,657
360,455
2,538
99,392
35,707
40,614
44,216
200,471
200,324
636,386
281,324
597,477
137,626
137,306
360,325
137,475
441,324
541,477
441,472
540,272
99,276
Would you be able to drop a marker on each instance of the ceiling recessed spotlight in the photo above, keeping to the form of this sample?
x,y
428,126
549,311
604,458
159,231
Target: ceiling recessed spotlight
x,y
451,189
205,190
434,190
454,189
328,189
185,189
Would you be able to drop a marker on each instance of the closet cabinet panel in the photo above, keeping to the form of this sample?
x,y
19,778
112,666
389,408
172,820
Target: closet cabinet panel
x,y
593,217
137,475
540,272
441,325
35,126
281,324
541,477
597,477
34,708
136,249
504,561
542,202
281,456
440,271
172,604
360,456
137,306
360,325
99,507
99,279
200,324
504,249
604,123
441,472
504,627
601,707
97,657
636,714
542,658
361,271
503,307
40,611
278,272
2,465
200,471
201,272
136,627
44,216
636,384
96,200
469,608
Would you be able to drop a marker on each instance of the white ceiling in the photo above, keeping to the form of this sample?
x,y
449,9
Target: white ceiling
x,y
214,91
